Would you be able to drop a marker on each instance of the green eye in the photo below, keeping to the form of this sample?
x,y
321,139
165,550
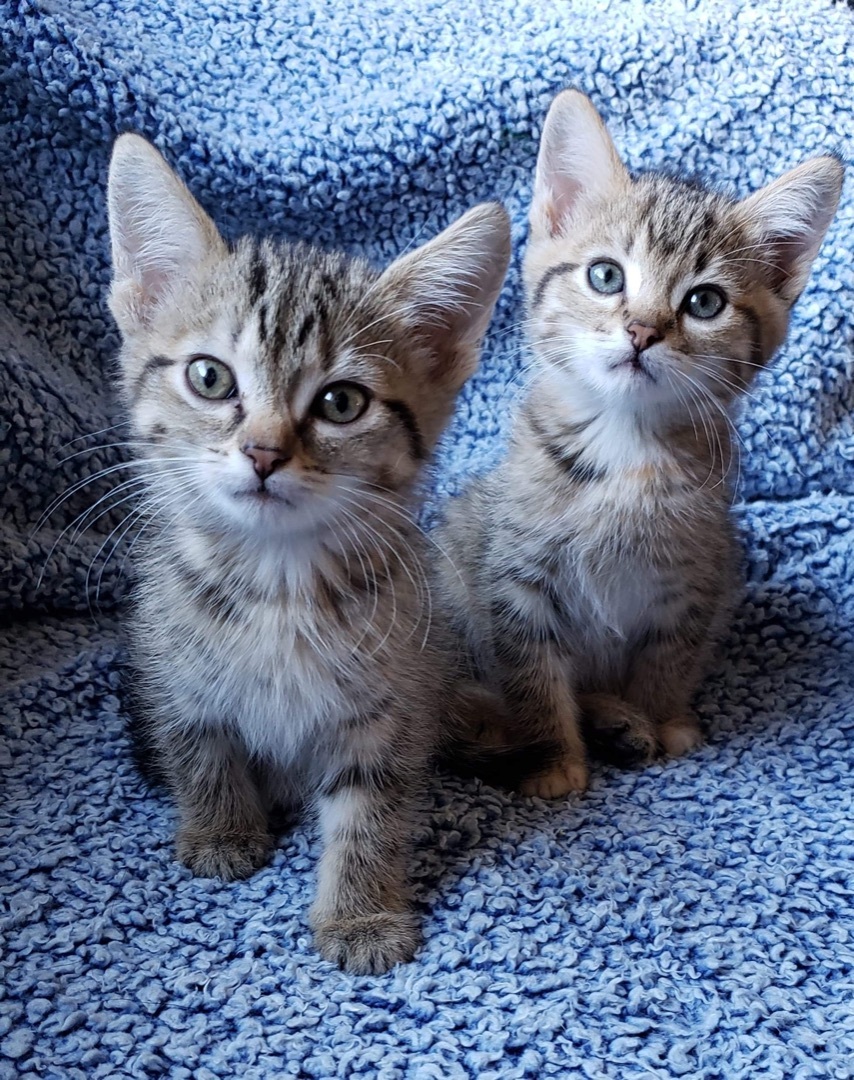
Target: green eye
x,y
605,277
341,402
211,378
704,302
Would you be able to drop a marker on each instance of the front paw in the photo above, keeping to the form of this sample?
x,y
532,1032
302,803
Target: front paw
x,y
368,944
617,732
569,776
680,735
229,856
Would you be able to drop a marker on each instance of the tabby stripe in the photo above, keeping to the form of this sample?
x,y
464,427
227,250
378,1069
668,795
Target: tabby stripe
x,y
306,328
378,776
154,364
280,327
755,333
553,271
578,471
362,721
569,430
210,597
522,632
406,417
257,279
581,472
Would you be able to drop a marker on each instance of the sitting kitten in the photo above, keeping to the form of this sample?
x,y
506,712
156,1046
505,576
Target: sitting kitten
x,y
285,401
598,562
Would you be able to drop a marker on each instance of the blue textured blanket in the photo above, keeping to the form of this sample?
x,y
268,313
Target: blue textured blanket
x,y
691,919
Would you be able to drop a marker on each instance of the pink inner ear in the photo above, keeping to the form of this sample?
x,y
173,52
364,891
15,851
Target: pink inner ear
x,y
559,208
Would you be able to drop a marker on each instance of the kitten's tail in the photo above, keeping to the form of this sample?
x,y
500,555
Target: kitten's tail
x,y
482,741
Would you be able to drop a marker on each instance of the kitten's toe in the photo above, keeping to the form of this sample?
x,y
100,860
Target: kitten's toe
x,y
368,944
227,856
617,732
567,777
680,735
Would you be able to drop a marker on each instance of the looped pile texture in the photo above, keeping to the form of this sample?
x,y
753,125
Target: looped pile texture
x,y
693,919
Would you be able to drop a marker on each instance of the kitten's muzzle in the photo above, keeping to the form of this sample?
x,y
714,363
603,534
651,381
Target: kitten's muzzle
x,y
266,459
643,336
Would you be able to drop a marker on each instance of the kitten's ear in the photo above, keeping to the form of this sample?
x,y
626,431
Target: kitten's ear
x,y
446,290
159,233
577,163
789,218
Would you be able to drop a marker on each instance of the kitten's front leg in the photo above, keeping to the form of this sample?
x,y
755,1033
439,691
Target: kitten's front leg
x,y
666,673
223,830
361,918
535,677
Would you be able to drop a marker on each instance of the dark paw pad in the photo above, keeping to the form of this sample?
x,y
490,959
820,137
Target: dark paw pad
x,y
368,944
229,857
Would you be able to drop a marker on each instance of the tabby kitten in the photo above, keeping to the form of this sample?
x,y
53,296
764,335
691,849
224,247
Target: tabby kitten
x,y
284,401
598,562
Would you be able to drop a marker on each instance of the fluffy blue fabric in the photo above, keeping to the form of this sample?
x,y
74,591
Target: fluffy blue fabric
x,y
693,919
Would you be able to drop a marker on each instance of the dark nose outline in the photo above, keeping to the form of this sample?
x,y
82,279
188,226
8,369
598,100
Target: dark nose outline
x,y
266,459
643,336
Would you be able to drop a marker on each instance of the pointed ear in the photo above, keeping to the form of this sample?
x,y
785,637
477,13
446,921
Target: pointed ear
x,y
789,218
448,288
577,163
159,233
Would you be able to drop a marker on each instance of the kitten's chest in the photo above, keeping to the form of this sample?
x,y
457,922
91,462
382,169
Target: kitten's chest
x,y
635,550
284,667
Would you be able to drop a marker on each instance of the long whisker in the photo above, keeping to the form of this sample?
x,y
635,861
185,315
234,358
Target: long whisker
x,y
101,474
419,586
153,510
389,578
94,434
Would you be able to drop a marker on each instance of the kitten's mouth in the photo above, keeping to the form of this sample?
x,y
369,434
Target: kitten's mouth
x,y
263,496
635,364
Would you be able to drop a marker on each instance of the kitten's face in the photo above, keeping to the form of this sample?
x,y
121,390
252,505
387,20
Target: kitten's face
x,y
651,299
279,386
283,404
653,295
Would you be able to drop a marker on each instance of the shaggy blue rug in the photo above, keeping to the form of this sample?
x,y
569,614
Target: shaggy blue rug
x,y
692,919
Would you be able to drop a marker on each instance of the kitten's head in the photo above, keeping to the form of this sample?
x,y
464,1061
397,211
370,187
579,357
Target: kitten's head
x,y
649,294
273,383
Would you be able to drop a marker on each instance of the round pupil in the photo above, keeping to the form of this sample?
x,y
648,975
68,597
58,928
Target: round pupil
x,y
340,400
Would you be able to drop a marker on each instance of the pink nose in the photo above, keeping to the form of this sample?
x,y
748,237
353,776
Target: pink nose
x,y
643,336
266,459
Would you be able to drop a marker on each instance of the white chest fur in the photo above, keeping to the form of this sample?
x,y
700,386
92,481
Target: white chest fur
x,y
273,663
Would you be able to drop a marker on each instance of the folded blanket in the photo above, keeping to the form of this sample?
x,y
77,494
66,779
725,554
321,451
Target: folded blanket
x,y
692,919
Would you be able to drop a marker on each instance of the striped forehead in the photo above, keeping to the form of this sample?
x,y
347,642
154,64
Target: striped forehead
x,y
300,309
683,225
678,235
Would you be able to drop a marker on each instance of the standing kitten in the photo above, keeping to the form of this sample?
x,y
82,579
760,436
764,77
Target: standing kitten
x,y
285,401
598,561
